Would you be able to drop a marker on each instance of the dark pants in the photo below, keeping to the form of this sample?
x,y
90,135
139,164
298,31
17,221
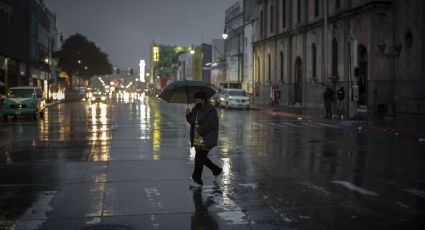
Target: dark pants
x,y
328,107
201,159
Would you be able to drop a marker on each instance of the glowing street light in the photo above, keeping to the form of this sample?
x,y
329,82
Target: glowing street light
x,y
225,35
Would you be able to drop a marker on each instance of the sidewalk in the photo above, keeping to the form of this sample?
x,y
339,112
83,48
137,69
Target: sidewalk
x,y
410,126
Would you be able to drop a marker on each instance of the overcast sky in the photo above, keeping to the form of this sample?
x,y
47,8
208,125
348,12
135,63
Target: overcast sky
x,y
124,29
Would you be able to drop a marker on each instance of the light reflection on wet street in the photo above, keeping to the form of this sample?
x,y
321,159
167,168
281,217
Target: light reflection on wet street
x,y
128,163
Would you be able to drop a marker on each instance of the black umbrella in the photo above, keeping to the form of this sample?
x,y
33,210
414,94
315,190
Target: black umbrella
x,y
182,91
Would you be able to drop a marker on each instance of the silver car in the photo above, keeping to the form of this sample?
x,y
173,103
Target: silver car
x,y
235,98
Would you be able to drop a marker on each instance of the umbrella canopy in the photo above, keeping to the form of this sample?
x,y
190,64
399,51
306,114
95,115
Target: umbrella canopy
x,y
182,91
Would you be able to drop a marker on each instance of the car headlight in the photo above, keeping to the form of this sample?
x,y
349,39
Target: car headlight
x,y
103,98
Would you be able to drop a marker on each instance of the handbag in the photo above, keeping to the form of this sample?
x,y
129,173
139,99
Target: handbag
x,y
198,141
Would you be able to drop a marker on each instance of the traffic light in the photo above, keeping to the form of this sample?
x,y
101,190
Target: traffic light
x,y
131,71
118,71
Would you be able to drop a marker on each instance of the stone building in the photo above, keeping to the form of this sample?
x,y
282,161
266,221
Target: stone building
x,y
239,28
375,49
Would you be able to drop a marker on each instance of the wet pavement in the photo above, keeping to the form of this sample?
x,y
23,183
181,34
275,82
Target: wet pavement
x,y
127,165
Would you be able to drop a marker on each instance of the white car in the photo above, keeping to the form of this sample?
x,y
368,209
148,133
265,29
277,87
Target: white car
x,y
234,98
24,100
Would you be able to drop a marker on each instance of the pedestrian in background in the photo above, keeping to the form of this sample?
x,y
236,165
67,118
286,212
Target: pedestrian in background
x,y
340,96
328,97
203,120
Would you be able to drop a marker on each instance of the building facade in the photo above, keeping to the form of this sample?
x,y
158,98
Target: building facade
x,y
27,42
239,27
374,49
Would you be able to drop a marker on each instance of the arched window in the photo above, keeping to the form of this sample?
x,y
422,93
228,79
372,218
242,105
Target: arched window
x,y
271,19
334,58
314,61
281,66
284,13
258,69
270,68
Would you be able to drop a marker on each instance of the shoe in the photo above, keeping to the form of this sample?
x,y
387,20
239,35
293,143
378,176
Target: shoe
x,y
218,174
195,184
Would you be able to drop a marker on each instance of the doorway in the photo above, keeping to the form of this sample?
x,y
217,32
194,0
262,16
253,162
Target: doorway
x,y
362,78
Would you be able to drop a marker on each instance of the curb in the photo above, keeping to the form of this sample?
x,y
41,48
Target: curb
x,y
360,126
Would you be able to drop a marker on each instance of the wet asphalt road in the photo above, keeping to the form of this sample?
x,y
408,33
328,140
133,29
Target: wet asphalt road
x,y
127,165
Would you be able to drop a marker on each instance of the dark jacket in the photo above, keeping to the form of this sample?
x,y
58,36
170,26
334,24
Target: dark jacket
x,y
208,124
340,94
329,94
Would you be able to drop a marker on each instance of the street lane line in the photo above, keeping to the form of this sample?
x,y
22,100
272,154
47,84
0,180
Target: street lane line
x,y
291,124
355,188
312,125
327,125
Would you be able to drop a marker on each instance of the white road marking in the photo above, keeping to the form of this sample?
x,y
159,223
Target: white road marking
x,y
355,188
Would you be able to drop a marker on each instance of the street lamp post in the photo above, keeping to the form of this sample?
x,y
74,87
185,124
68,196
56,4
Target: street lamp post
x,y
48,60
6,74
238,35
392,53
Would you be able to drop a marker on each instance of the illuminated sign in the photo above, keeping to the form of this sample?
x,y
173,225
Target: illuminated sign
x,y
156,53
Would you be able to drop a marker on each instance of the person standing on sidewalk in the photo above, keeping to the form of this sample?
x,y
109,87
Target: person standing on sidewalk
x,y
203,120
340,96
328,97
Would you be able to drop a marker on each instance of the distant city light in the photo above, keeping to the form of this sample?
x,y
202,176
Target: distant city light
x,y
142,73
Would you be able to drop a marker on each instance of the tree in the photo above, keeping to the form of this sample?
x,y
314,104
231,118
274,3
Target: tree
x,y
81,57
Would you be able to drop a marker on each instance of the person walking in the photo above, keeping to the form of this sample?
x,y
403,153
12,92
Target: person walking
x,y
328,97
203,120
340,96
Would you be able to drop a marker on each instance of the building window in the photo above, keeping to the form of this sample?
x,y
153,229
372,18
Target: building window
x,y
298,11
270,68
316,8
337,4
281,66
314,61
334,58
261,23
408,39
306,10
284,13
258,69
271,19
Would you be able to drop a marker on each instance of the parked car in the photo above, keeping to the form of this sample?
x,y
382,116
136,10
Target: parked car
x,y
24,100
235,98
